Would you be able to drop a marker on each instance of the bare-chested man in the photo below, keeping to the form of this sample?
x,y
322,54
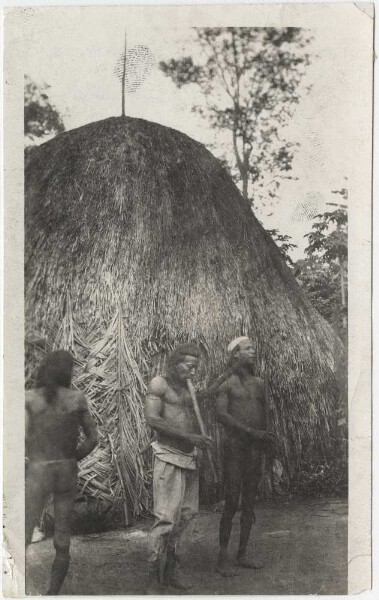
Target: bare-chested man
x,y
54,414
176,479
241,409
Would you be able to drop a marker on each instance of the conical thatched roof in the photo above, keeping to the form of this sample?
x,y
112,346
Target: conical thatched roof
x,y
126,217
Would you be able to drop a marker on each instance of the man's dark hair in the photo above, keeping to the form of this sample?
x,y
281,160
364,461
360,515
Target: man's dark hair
x,y
55,371
179,353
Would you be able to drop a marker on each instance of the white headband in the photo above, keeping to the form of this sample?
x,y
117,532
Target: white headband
x,y
236,342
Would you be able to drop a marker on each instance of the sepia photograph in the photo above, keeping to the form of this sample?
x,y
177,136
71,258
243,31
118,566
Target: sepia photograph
x,y
189,189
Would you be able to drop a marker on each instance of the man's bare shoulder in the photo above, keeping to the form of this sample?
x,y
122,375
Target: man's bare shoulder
x,y
74,399
227,384
261,385
35,400
157,386
79,399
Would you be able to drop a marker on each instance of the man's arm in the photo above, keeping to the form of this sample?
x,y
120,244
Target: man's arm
x,y
217,383
153,413
89,429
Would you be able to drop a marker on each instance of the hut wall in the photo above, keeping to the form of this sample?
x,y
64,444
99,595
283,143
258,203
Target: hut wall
x,y
137,239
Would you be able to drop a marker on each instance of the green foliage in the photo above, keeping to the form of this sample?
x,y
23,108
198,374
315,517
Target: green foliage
x,y
40,116
321,480
330,244
284,244
320,281
250,79
323,273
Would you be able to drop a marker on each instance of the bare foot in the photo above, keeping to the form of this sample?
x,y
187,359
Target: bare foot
x,y
245,563
157,589
155,586
178,582
225,568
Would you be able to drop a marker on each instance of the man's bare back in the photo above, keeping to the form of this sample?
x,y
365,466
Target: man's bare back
x,y
52,428
53,415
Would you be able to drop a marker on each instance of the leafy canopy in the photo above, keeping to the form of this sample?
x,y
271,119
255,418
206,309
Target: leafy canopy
x,y
250,80
41,118
329,236
323,273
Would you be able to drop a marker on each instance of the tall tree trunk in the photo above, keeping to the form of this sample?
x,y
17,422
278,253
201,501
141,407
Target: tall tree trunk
x,y
245,175
245,184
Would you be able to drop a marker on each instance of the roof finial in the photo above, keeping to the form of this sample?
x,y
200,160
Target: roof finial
x,y
132,68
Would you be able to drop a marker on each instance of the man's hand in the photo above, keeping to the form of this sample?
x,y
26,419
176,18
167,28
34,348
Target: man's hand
x,y
263,436
89,429
201,441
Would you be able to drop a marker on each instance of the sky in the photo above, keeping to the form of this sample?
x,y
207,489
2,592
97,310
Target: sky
x,y
75,50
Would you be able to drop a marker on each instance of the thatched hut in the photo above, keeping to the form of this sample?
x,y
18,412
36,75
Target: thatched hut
x,y
137,238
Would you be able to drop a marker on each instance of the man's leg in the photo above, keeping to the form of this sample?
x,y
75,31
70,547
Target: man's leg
x,y
39,531
233,480
168,489
35,498
63,508
64,497
251,474
190,508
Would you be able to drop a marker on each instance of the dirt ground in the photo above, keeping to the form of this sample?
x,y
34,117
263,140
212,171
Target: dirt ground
x,y
303,545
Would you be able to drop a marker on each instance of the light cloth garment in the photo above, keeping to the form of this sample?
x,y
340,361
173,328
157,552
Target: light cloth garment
x,y
174,456
236,342
176,499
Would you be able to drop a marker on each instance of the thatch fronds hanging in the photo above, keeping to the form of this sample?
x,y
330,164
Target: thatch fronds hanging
x,y
115,474
131,219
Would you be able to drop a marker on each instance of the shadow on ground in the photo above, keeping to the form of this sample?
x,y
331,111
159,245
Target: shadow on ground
x,y
303,545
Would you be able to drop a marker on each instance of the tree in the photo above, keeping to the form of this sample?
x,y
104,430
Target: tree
x,y
250,79
41,118
329,241
283,241
321,284
324,272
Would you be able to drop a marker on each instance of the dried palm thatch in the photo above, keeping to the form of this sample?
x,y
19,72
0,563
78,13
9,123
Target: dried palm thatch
x,y
137,238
